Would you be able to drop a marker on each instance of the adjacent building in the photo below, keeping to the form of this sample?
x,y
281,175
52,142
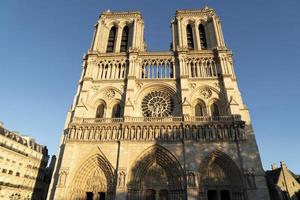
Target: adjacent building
x,y
158,125
283,183
23,165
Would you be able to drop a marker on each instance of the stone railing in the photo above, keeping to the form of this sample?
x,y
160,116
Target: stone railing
x,y
157,129
228,118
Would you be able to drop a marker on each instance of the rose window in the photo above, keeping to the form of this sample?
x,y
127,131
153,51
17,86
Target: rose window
x,y
157,104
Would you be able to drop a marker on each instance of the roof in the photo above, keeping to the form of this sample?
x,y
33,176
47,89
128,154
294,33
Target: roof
x,y
273,175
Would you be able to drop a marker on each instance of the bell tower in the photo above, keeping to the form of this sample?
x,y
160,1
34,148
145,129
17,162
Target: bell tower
x,y
119,32
197,30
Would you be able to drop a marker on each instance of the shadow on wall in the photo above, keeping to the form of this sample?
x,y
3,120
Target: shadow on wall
x,y
41,187
56,174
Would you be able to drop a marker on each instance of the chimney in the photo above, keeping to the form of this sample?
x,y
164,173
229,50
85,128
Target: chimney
x,y
1,124
282,164
274,166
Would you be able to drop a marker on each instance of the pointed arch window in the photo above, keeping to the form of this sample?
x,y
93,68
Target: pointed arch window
x,y
214,109
202,36
200,109
100,111
124,39
189,36
111,40
116,111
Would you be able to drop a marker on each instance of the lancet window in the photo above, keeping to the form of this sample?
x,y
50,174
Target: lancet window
x,y
214,109
189,35
202,36
111,40
100,111
200,109
124,39
116,111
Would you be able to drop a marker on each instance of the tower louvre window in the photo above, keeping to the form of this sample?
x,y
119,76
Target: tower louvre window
x,y
202,36
111,40
189,35
124,40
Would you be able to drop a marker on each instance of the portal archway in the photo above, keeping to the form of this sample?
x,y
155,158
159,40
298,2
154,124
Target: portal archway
x,y
156,174
220,178
93,180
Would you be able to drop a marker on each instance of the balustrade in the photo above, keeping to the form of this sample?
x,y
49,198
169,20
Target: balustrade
x,y
229,118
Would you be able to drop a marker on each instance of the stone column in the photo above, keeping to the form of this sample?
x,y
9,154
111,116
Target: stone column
x,y
197,36
118,39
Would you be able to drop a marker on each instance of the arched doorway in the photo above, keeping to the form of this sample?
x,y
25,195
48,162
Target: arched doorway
x,y
220,178
156,175
93,180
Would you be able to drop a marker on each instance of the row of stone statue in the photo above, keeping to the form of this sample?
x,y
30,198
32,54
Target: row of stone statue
x,y
175,133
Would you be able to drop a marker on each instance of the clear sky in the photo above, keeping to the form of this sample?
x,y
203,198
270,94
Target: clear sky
x,y
42,43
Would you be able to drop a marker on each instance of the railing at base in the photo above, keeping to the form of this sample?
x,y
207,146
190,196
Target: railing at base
x,y
227,118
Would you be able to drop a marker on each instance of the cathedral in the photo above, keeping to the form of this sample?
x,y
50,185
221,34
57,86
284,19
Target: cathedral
x,y
166,125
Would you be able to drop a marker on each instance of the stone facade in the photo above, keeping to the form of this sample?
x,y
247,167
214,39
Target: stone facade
x,y
158,125
282,183
23,165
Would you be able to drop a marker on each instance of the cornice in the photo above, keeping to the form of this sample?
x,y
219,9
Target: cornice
x,y
127,14
192,13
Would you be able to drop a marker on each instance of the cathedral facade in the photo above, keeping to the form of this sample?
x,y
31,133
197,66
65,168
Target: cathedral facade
x,y
158,125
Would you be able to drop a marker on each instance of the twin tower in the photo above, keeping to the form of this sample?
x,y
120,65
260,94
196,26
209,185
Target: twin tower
x,y
158,125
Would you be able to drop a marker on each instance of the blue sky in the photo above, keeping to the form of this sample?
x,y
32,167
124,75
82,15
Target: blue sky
x,y
42,43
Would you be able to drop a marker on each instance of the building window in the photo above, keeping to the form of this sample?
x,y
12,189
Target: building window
x,y
200,109
124,40
214,110
4,170
116,111
10,172
18,174
111,40
202,36
189,36
100,111
157,104
101,195
89,196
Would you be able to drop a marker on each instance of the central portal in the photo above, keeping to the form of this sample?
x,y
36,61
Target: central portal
x,y
155,183
157,175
